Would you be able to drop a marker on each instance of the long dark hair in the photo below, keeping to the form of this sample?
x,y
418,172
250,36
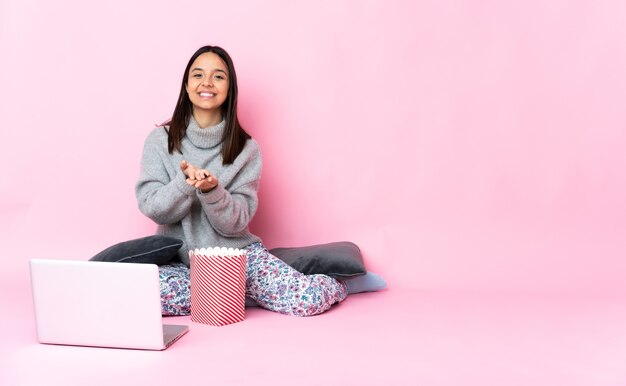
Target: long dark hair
x,y
235,136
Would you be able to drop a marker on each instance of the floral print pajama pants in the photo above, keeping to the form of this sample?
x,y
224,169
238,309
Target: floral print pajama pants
x,y
271,283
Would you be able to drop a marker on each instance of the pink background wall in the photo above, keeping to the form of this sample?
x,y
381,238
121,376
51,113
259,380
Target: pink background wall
x,y
463,145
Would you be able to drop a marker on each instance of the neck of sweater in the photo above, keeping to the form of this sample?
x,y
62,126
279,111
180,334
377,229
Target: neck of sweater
x,y
205,138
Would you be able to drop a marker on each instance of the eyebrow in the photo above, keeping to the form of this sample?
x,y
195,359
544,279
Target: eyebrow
x,y
217,69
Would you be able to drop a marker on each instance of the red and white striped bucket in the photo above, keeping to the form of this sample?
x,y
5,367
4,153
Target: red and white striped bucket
x,y
218,285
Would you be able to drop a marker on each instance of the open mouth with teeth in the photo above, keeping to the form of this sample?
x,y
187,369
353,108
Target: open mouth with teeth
x,y
206,95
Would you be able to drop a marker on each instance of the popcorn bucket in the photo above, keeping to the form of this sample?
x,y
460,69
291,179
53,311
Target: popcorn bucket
x,y
218,285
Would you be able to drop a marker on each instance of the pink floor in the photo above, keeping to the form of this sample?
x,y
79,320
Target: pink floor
x,y
395,337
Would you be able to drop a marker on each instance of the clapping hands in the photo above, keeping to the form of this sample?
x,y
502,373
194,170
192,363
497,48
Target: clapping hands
x,y
199,178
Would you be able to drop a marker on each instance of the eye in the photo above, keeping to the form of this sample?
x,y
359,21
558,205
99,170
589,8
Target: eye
x,y
219,77
197,76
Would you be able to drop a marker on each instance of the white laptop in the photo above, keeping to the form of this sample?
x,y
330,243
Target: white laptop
x,y
91,303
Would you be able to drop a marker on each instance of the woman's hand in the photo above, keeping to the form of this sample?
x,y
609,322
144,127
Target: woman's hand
x,y
199,178
188,169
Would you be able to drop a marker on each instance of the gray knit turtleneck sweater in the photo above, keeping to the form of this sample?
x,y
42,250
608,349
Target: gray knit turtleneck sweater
x,y
218,218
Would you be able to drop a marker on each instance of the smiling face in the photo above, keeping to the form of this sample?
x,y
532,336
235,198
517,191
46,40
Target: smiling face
x,y
207,87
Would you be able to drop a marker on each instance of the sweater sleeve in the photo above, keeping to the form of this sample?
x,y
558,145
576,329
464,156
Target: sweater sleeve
x,y
162,198
229,210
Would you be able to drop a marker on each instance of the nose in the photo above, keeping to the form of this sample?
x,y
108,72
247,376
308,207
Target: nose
x,y
207,81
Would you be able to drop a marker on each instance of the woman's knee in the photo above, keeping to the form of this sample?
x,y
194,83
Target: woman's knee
x,y
311,302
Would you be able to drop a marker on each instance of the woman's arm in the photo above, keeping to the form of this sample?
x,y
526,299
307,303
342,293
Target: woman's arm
x,y
164,199
230,210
